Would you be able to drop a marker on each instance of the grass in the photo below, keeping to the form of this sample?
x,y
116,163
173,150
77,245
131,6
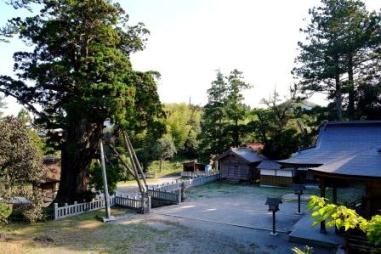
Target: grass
x,y
216,188
169,167
78,234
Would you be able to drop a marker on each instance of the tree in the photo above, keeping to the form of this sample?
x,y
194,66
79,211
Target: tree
x,y
212,139
81,75
164,149
183,125
340,41
222,122
20,166
235,109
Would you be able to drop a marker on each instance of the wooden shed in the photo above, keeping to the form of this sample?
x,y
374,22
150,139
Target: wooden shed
x,y
271,174
239,164
193,166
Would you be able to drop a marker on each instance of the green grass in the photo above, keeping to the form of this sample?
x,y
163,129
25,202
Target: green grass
x,y
169,167
217,188
78,234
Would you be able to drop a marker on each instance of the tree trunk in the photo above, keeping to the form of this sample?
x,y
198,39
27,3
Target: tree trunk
x,y
236,133
79,148
338,96
160,164
351,89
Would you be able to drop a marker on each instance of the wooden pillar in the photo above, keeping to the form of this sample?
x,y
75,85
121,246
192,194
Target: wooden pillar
x,y
334,195
368,201
334,200
322,194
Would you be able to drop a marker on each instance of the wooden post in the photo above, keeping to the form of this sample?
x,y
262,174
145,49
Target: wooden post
x,y
334,200
322,194
104,176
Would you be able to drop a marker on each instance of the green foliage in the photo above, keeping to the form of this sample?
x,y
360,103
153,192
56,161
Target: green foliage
x,y
223,121
183,125
340,51
115,173
284,126
5,211
164,149
20,166
79,74
342,217
25,118
305,250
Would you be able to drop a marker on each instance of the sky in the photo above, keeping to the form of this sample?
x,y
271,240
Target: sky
x,y
191,39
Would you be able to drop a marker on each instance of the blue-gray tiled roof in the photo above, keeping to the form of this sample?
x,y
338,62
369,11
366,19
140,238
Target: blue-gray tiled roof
x,y
347,148
245,153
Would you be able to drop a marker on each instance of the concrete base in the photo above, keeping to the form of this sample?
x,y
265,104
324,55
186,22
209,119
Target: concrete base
x,y
303,232
274,234
297,213
105,220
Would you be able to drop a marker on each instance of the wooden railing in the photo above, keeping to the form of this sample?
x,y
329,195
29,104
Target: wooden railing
x,y
172,197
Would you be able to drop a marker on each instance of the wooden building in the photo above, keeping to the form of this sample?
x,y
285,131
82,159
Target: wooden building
x,y
193,166
271,174
51,178
346,154
239,164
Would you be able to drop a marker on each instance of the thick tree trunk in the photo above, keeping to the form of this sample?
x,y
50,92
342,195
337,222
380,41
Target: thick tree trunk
x,y
338,94
79,148
236,133
351,89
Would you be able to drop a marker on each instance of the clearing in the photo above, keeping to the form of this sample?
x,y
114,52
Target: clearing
x,y
216,218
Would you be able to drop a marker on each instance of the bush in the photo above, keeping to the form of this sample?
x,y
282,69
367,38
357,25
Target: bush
x,y
5,212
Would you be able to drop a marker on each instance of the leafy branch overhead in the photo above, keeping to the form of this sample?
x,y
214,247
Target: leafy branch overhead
x,y
342,217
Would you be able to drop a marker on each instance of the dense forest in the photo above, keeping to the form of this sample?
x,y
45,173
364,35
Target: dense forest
x,y
83,78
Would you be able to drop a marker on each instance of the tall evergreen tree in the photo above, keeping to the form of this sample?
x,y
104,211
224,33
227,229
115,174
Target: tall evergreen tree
x,y
212,140
82,75
221,122
235,108
338,44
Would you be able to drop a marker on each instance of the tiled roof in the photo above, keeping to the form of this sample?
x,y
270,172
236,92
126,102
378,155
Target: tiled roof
x,y
245,153
269,164
347,148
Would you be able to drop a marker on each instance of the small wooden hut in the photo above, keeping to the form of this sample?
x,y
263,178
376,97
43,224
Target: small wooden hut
x,y
193,166
239,164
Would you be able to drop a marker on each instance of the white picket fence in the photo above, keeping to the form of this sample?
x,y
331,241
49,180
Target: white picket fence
x,y
196,174
170,192
175,185
99,203
172,197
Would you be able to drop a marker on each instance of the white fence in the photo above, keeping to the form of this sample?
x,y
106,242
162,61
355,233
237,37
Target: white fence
x,y
178,184
172,197
99,203
196,174
170,192
79,208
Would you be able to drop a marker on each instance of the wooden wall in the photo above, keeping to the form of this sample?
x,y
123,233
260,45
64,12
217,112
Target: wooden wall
x,y
234,168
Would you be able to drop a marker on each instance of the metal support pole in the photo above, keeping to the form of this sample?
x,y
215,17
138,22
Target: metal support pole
x,y
274,233
323,230
104,176
299,212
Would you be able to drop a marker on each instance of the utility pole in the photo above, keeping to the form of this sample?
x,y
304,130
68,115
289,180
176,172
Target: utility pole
x,y
104,176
